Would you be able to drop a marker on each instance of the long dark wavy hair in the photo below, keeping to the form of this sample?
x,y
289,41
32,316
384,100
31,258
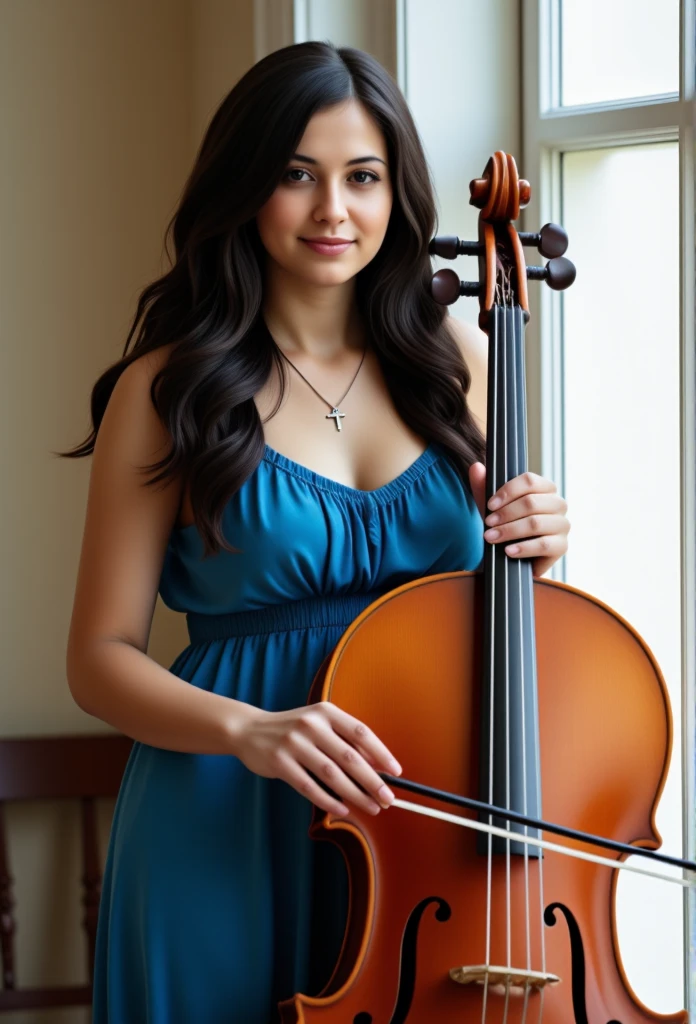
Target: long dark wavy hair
x,y
209,303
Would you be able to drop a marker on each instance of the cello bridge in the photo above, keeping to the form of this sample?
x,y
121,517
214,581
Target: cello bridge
x,y
506,978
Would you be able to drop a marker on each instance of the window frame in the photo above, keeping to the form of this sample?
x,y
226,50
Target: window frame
x,y
549,130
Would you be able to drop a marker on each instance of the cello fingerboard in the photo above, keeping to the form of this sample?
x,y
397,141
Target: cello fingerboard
x,y
509,765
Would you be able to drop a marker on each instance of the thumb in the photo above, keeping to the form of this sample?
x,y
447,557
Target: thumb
x,y
477,480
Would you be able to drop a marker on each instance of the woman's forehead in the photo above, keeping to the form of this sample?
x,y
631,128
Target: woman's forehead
x,y
341,133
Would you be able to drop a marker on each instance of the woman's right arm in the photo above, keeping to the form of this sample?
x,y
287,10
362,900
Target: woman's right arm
x,y
126,530
127,527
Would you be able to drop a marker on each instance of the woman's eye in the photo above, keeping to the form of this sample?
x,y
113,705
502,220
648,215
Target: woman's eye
x,y
371,176
298,170
293,170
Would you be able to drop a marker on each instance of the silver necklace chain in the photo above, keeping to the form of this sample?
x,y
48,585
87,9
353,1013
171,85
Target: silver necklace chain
x,y
336,415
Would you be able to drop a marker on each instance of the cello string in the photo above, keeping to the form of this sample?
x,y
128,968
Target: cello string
x,y
506,572
491,737
517,342
540,860
530,587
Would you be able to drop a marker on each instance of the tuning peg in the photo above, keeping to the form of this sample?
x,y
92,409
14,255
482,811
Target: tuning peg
x,y
446,287
551,241
558,273
450,246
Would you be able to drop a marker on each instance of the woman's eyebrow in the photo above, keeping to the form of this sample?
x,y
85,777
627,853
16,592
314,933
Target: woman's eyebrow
x,y
357,160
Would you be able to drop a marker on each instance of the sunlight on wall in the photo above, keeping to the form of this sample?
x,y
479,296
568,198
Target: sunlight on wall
x,y
621,380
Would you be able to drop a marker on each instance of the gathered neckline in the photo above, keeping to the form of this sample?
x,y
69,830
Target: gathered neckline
x,y
384,493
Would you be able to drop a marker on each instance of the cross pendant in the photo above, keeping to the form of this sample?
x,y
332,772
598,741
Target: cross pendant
x,y
334,415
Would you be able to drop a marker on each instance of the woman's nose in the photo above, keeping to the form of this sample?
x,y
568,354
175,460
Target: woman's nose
x,y
331,201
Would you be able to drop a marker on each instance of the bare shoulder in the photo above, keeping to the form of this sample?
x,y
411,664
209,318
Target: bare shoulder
x,y
150,363
473,345
127,522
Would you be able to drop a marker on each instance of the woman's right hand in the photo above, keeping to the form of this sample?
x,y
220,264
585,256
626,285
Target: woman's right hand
x,y
319,738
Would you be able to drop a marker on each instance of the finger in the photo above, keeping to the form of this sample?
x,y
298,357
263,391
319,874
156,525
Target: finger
x,y
372,761
548,547
354,765
305,785
361,736
525,483
332,775
528,504
477,482
531,527
374,764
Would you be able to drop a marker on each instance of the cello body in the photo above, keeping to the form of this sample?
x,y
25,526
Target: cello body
x,y
418,887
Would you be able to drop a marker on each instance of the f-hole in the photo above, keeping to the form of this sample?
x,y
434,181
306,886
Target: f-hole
x,y
407,963
577,956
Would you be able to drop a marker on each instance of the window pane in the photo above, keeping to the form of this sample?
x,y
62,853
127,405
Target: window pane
x,y
621,448
618,49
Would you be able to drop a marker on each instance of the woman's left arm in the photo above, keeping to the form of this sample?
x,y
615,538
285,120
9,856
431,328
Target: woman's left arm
x,y
526,514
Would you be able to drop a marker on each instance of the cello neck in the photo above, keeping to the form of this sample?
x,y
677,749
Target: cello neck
x,y
509,751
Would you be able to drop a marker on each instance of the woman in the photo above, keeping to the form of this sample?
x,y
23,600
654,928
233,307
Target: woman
x,y
313,419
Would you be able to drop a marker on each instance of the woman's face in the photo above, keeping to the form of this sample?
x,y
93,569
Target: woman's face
x,y
329,189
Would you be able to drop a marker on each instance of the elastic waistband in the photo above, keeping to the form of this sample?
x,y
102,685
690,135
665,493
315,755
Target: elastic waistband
x,y
332,610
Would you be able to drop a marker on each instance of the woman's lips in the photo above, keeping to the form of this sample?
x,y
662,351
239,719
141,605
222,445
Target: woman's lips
x,y
328,250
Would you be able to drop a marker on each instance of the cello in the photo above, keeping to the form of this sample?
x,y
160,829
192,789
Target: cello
x,y
539,710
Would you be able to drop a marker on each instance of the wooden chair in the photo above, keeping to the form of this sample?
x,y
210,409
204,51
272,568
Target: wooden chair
x,y
47,768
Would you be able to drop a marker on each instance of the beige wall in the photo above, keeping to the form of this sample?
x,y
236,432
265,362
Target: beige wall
x,y
102,106
222,50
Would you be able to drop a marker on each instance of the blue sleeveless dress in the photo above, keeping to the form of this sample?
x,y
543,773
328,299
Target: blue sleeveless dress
x,y
215,902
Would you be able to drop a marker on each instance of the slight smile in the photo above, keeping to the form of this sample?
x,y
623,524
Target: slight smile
x,y
325,248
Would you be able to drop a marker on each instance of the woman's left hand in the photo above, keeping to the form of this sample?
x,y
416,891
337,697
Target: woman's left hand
x,y
529,507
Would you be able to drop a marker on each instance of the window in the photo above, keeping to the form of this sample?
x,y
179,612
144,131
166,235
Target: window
x,y
617,50
608,148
